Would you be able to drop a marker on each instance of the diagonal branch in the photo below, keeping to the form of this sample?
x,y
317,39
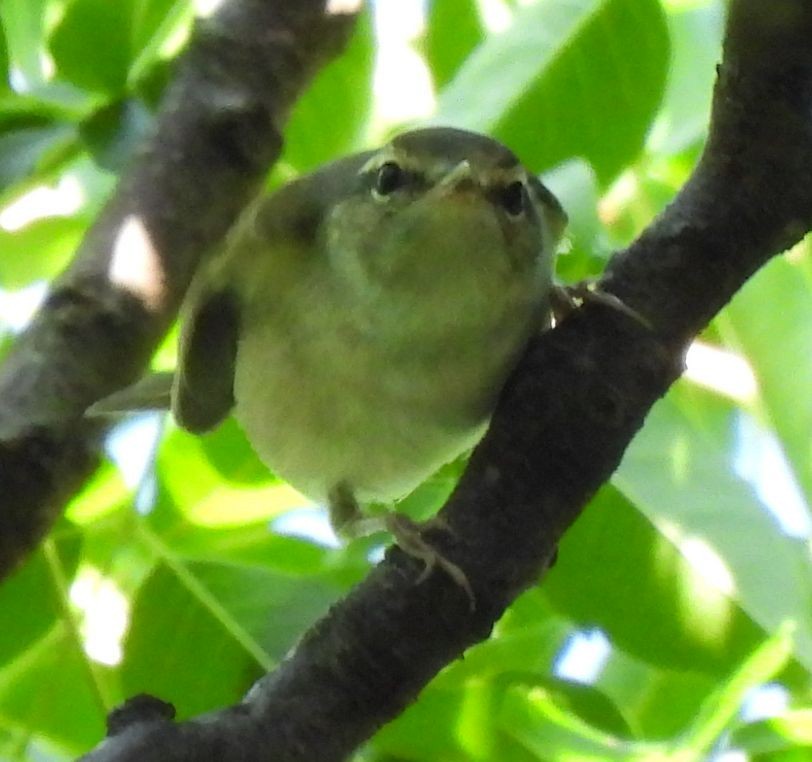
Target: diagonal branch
x,y
563,423
218,131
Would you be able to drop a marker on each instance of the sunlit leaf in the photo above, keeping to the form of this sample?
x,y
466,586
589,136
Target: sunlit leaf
x,y
39,250
50,690
788,736
236,620
614,555
783,366
23,22
581,78
454,30
680,480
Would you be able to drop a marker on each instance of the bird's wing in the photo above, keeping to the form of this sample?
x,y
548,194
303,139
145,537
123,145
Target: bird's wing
x,y
200,392
203,391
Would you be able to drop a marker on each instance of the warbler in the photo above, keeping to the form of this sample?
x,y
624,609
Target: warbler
x,y
361,321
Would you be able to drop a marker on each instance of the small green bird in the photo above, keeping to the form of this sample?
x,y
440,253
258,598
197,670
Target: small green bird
x,y
361,321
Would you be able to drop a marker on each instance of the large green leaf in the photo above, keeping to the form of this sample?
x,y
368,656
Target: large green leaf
x,y
615,570
696,40
118,33
685,484
770,321
219,626
218,480
104,28
581,78
454,30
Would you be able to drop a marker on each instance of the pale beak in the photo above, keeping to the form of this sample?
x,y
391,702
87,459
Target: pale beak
x,y
460,175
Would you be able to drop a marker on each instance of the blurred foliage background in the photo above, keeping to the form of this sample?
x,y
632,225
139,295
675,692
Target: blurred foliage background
x,y
677,622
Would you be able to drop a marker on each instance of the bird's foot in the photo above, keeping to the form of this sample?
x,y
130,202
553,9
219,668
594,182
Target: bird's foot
x,y
409,536
349,522
566,299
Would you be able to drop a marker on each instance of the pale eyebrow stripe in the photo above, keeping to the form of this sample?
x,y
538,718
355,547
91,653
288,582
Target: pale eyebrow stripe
x,y
497,176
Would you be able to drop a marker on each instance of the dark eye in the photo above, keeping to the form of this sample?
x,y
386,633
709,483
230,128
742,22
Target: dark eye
x,y
389,178
512,197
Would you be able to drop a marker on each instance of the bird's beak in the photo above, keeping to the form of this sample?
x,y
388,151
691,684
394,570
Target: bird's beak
x,y
459,177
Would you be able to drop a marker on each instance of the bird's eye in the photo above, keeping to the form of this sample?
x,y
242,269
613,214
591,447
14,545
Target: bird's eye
x,y
389,178
513,198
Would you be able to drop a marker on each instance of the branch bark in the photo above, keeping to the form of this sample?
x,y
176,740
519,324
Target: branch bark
x,y
563,422
218,131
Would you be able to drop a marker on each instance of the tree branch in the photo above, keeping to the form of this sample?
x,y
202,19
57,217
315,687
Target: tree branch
x,y
560,430
218,131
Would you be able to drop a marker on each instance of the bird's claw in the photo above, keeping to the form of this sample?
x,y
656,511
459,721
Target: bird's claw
x,y
566,299
349,522
409,536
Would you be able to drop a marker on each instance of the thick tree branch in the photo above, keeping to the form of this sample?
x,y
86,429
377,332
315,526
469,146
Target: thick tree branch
x,y
218,131
564,421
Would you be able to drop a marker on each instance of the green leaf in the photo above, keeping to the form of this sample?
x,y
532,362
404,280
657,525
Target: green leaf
x,y
228,451
615,568
160,29
28,602
100,26
527,640
454,29
585,249
218,480
456,724
681,480
534,717
219,626
48,692
25,151
789,731
327,120
252,545
720,709
657,703
23,24
696,41
430,729
773,340
39,250
153,21
4,68
582,78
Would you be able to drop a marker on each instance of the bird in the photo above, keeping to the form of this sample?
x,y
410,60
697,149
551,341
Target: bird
x,y
360,321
